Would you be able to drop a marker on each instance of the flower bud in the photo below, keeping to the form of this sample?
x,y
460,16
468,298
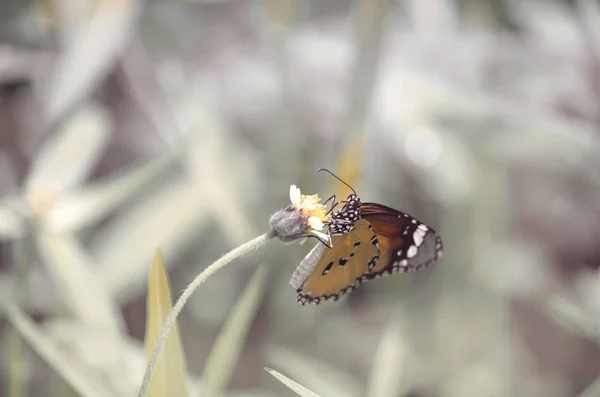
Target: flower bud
x,y
304,217
289,224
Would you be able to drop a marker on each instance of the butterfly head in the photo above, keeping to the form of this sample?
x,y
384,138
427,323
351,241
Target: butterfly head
x,y
342,220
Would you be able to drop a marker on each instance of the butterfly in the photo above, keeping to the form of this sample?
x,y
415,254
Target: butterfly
x,y
368,241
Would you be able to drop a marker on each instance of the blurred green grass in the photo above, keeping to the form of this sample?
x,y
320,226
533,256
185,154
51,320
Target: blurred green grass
x,y
130,125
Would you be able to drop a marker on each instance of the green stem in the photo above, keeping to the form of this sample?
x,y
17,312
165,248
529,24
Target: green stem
x,y
172,316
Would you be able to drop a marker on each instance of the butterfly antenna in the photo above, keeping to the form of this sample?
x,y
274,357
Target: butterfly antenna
x,y
337,177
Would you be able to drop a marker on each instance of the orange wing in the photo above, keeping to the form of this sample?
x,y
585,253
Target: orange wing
x,y
341,268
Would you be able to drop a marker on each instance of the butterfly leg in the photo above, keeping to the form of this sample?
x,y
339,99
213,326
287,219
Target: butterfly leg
x,y
335,204
329,199
325,243
332,208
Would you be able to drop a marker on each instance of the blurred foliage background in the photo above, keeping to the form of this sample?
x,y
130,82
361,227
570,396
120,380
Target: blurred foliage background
x,y
127,125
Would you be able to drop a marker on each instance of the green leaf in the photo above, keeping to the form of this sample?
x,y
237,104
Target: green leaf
x,y
169,377
79,208
80,286
68,156
294,386
321,376
60,362
389,370
229,343
89,56
172,216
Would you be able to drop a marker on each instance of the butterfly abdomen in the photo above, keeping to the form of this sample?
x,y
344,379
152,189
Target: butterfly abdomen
x,y
306,266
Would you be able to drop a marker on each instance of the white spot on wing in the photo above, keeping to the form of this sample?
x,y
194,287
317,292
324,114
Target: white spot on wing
x,y
412,251
418,238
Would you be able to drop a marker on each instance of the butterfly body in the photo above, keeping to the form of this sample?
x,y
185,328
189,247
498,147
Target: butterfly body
x,y
343,219
368,241
306,266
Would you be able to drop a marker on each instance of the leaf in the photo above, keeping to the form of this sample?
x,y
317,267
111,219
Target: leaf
x,y
12,224
348,165
49,352
82,290
388,376
119,361
169,377
79,208
573,317
230,341
68,156
210,152
172,217
90,55
294,386
320,376
282,12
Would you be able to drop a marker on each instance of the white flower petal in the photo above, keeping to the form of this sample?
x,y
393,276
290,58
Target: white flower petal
x,y
322,236
315,223
295,195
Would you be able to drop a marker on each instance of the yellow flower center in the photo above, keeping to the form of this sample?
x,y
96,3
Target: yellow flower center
x,y
311,206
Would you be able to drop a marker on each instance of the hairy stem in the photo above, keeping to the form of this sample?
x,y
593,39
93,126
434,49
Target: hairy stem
x,y
172,317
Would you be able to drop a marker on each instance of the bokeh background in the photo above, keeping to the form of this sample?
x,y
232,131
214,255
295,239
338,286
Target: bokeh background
x,y
127,125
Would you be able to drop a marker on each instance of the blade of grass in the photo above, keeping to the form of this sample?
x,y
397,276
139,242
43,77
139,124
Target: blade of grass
x,y
47,350
238,251
348,165
117,360
320,376
169,378
390,362
207,151
283,12
572,317
81,288
230,341
77,209
294,386
90,55
17,356
171,217
68,156
11,224
369,24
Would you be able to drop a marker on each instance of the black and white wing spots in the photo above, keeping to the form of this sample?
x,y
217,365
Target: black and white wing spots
x,y
422,247
342,268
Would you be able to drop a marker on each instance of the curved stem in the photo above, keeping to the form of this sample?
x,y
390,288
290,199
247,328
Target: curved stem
x,y
172,316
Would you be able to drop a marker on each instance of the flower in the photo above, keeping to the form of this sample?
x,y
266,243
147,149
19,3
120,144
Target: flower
x,y
304,217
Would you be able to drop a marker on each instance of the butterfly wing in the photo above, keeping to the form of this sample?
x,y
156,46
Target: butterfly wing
x,y
341,268
405,244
